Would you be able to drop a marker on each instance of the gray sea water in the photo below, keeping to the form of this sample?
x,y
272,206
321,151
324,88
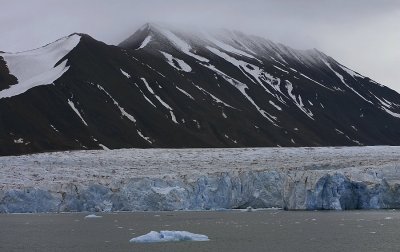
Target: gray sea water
x,y
235,230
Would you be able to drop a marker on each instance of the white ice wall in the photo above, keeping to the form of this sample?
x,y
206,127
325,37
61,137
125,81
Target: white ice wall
x,y
322,184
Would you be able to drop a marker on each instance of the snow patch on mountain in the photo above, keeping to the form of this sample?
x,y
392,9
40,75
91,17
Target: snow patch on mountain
x,y
386,106
226,47
145,97
185,93
213,96
145,42
280,69
181,44
73,107
351,72
342,79
316,82
125,73
173,117
252,72
38,67
121,109
144,137
104,147
297,100
276,106
391,112
181,65
242,88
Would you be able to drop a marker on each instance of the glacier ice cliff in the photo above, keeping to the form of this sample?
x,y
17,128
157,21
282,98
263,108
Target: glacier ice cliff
x,y
368,181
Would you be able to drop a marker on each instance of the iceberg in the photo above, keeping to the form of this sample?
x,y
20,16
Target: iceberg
x,y
168,236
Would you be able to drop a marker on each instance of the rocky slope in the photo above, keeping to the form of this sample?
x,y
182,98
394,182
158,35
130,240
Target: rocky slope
x,y
167,87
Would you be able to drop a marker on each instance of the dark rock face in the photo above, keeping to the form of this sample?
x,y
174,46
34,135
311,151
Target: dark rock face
x,y
173,89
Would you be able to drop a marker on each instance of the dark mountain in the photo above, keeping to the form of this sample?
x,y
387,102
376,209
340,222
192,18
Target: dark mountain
x,y
171,88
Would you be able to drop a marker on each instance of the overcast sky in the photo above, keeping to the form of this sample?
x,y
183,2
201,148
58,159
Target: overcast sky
x,y
361,34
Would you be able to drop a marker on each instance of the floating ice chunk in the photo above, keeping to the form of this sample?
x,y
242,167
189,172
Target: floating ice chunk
x,y
92,216
168,236
249,209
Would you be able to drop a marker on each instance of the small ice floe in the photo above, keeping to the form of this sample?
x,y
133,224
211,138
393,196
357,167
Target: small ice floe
x,y
168,236
249,209
92,216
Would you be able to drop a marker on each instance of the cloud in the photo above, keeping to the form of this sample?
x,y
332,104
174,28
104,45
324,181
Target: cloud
x,y
361,34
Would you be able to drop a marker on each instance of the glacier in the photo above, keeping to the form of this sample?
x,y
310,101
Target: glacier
x,y
334,178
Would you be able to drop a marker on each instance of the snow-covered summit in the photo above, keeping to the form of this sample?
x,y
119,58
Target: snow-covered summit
x,y
230,41
39,66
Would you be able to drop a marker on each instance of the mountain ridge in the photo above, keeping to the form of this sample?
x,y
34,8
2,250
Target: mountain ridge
x,y
163,88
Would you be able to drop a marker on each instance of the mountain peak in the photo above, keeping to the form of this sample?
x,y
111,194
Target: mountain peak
x,y
180,87
39,66
147,32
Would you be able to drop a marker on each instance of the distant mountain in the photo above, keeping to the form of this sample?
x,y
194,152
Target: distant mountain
x,y
171,88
